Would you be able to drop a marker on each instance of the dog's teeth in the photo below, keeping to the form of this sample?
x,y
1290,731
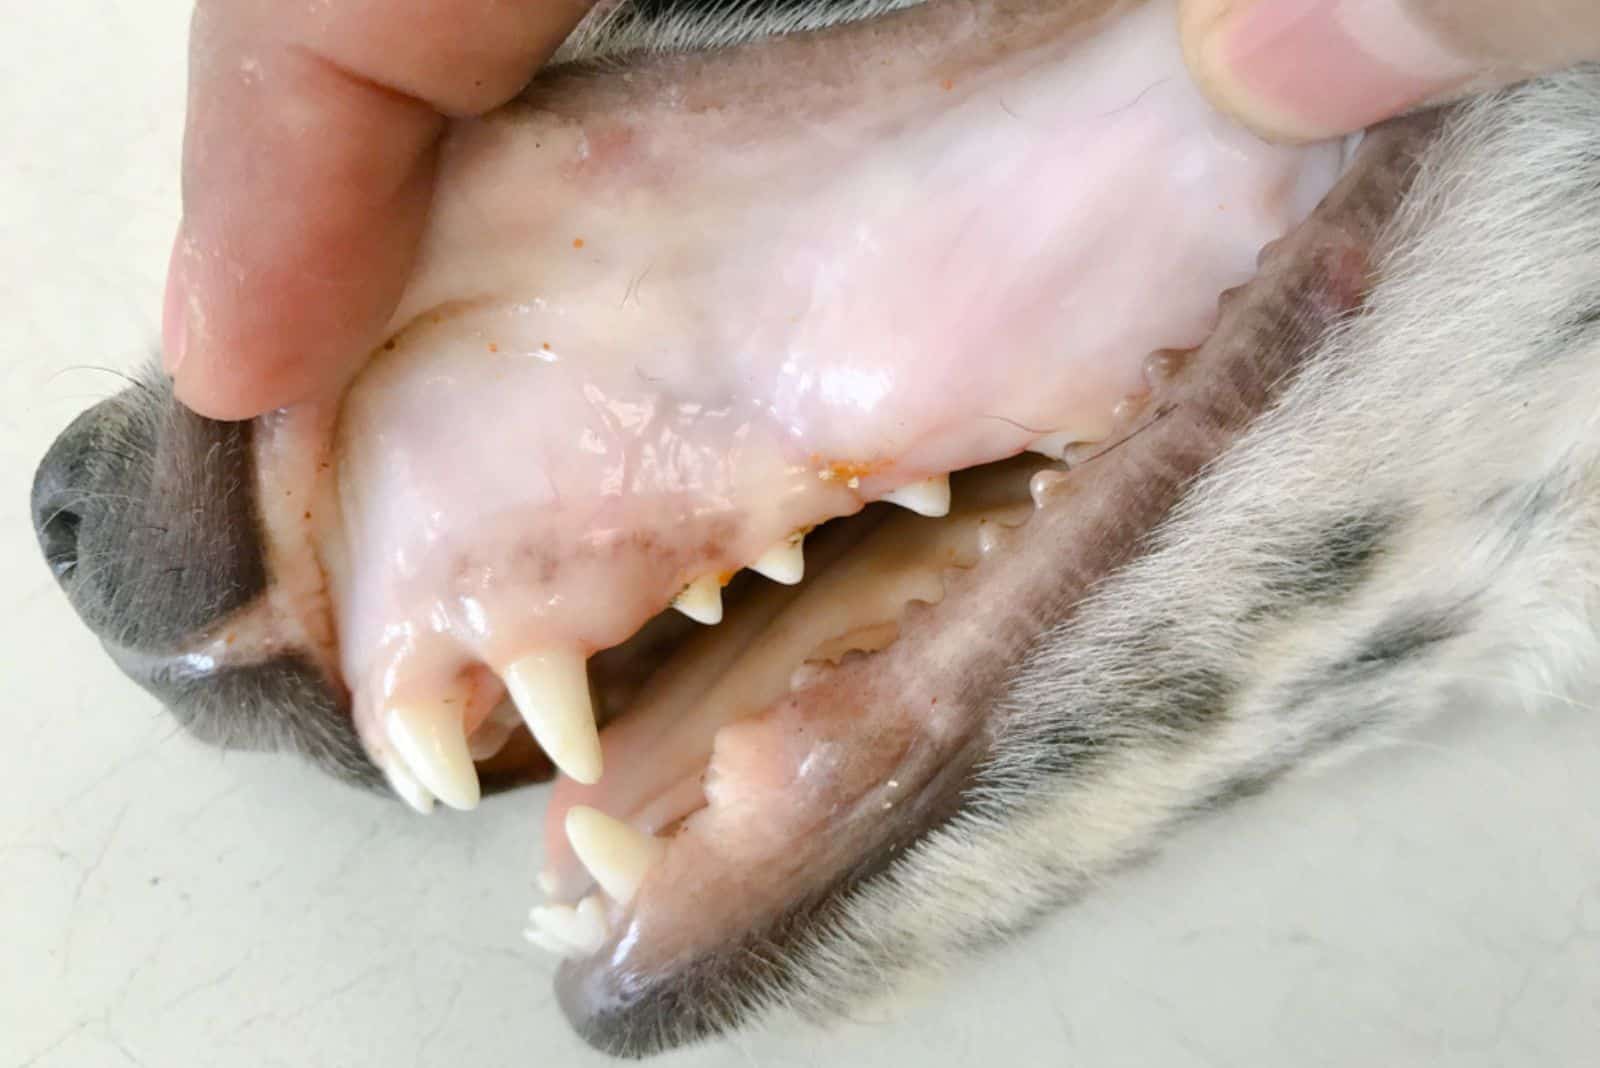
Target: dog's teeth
x,y
1053,445
432,741
1046,484
930,497
490,737
577,931
405,784
615,853
701,600
785,562
544,941
551,690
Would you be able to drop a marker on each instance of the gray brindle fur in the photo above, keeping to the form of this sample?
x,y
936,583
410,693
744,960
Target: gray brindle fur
x,y
1417,514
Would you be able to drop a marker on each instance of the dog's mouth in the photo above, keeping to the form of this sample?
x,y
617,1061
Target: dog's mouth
x,y
740,435
662,341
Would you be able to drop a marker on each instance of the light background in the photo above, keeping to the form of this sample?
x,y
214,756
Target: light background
x,y
164,905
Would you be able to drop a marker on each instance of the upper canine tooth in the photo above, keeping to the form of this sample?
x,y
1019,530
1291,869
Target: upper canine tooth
x,y
930,497
785,562
701,600
615,853
432,741
551,690
405,784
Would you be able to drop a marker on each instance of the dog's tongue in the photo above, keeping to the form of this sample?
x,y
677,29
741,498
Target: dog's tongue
x,y
670,319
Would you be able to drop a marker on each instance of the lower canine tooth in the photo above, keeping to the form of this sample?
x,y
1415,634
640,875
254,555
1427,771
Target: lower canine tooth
x,y
432,741
405,784
785,562
615,853
930,497
551,690
701,600
581,930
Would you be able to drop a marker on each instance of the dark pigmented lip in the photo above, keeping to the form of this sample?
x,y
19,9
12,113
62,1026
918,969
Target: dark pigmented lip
x,y
282,702
285,702
653,987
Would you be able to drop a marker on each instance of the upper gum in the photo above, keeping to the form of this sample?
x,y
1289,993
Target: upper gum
x,y
479,317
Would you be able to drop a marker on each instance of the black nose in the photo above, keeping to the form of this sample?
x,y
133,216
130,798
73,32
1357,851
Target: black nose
x,y
146,514
65,499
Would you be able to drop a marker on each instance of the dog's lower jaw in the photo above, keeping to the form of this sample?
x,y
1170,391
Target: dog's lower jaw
x,y
1439,446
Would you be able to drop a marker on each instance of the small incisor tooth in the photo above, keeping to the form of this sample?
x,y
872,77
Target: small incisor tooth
x,y
493,733
551,691
541,938
615,853
406,786
701,600
431,740
572,932
785,562
930,497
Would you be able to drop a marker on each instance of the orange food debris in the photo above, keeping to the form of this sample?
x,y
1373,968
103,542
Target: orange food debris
x,y
577,242
947,84
850,472
493,347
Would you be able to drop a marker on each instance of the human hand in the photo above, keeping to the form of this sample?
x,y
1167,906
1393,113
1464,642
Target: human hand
x,y
308,166
1305,69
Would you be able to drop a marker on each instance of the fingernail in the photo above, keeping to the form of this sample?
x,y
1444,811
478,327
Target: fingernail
x,y
1319,68
175,310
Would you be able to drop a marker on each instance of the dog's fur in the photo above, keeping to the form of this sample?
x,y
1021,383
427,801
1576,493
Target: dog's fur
x,y
1411,520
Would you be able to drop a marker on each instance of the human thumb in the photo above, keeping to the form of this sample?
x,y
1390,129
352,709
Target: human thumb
x,y
1297,70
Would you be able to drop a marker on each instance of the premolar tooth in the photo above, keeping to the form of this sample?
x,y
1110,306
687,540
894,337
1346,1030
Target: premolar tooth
x,y
431,740
405,784
930,497
551,690
616,854
1053,445
701,600
785,562
1045,484
580,930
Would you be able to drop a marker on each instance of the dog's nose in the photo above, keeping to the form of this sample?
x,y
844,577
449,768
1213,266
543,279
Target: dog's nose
x,y
146,514
66,502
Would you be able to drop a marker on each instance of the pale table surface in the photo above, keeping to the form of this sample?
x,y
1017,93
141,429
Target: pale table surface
x,y
162,905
